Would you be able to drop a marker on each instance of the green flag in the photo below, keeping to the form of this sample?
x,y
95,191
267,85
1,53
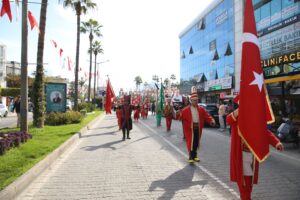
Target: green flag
x,y
161,97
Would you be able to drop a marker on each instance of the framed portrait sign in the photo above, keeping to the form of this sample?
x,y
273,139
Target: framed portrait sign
x,y
56,97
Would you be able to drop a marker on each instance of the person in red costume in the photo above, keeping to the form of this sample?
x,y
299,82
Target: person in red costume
x,y
193,117
243,166
168,114
119,114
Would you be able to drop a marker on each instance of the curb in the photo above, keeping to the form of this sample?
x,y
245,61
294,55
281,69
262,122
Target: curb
x,y
15,188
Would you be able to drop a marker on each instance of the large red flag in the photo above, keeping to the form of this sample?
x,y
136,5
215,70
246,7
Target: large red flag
x,y
109,97
6,9
254,111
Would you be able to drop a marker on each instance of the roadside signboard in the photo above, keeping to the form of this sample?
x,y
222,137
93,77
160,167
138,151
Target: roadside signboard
x,y
56,97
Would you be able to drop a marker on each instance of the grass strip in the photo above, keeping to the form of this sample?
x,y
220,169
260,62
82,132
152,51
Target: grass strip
x,y
19,160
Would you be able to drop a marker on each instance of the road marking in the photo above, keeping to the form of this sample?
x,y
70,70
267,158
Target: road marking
x,y
224,185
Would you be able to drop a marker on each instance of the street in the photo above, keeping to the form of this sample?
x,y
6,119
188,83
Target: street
x,y
11,120
153,165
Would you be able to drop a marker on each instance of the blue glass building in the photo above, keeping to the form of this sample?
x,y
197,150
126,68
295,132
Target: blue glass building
x,y
210,50
207,52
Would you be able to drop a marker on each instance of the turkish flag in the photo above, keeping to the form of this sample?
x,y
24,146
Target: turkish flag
x,y
32,21
109,97
6,9
61,52
254,109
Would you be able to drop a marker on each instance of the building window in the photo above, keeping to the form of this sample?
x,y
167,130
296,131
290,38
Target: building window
x,y
182,55
228,51
216,55
191,51
201,24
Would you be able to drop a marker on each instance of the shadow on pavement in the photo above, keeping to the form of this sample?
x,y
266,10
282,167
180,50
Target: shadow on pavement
x,y
179,180
105,127
99,134
106,146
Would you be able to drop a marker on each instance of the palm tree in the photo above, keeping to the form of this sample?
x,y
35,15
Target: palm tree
x,y
92,27
38,87
167,82
80,6
138,80
96,48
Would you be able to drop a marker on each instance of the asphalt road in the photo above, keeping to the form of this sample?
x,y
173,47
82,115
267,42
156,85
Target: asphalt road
x,y
11,120
279,176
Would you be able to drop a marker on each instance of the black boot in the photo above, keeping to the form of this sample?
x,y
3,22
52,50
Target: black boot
x,y
123,134
190,160
128,136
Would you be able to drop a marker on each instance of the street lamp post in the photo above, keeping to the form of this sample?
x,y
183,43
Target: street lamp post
x,y
97,78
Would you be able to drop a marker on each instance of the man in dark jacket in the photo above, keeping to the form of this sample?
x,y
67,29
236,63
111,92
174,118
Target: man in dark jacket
x,y
126,120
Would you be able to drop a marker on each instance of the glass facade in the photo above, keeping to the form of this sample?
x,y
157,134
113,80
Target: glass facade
x,y
207,48
278,27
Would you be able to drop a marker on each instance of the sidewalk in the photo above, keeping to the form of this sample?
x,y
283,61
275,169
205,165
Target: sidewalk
x,y
102,166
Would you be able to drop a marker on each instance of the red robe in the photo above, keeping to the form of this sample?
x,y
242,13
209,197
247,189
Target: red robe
x,y
236,155
186,117
119,115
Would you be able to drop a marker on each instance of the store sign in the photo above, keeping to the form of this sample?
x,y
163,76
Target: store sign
x,y
281,43
222,17
218,84
279,25
278,60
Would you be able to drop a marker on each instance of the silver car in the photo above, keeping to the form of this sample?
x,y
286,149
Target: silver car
x,y
3,110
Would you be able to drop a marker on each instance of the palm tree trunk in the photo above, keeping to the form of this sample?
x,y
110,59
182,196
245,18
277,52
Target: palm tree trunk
x,y
78,13
39,95
95,76
24,70
90,72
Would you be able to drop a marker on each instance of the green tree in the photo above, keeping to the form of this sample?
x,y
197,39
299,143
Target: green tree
x,y
167,82
81,7
39,82
138,81
92,27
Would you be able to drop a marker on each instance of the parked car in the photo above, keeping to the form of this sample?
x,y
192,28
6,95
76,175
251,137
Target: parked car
x,y
3,110
212,109
69,105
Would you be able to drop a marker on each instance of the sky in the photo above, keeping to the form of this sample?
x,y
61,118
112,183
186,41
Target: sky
x,y
140,38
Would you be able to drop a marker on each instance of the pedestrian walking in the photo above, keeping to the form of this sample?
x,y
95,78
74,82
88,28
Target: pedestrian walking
x,y
193,118
168,111
126,117
153,108
221,113
136,114
243,165
17,108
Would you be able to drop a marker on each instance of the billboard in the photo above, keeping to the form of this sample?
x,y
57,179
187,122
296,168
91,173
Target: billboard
x,y
56,97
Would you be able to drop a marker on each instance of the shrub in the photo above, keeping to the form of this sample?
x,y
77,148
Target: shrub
x,y
89,107
12,139
71,117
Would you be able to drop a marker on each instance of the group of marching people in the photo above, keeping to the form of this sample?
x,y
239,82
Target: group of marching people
x,y
243,164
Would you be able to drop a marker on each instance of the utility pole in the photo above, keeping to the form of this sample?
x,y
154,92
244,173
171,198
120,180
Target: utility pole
x,y
24,70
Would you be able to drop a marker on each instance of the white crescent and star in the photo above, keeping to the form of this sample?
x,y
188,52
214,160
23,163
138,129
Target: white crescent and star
x,y
258,78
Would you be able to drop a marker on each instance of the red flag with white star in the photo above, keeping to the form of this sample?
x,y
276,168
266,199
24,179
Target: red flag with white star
x,y
254,112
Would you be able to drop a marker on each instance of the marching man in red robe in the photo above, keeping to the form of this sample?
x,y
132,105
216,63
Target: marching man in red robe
x,y
243,165
193,117
168,114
